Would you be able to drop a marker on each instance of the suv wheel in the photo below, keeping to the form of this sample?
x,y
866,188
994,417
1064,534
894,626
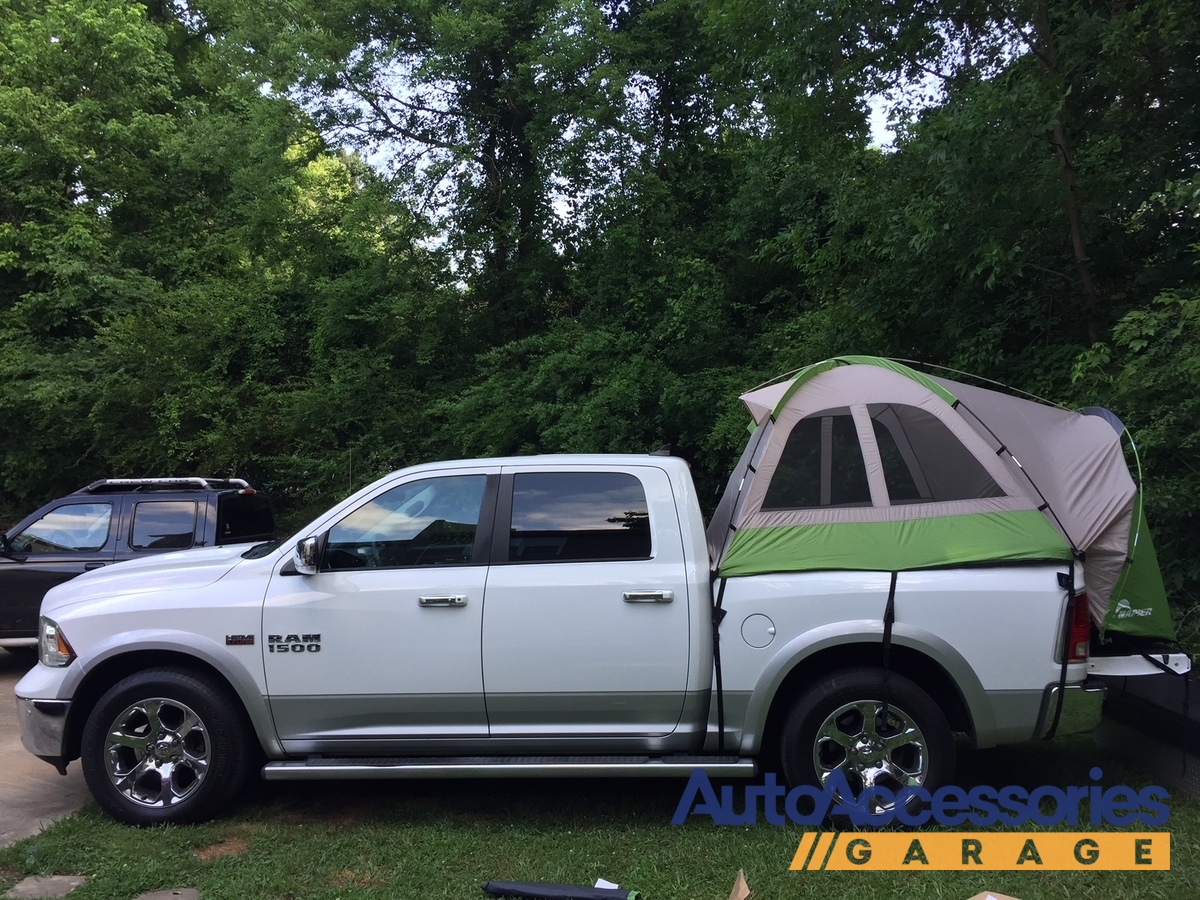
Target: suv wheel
x,y
164,746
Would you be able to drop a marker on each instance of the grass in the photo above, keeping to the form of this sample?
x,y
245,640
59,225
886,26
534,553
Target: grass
x,y
443,839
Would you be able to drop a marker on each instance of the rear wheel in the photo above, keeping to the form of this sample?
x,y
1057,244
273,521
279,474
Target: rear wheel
x,y
877,728
164,746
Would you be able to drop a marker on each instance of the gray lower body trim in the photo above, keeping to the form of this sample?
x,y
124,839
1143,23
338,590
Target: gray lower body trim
x,y
1015,714
507,767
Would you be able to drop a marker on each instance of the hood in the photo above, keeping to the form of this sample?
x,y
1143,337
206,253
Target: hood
x,y
178,570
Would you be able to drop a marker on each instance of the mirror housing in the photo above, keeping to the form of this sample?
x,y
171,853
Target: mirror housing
x,y
7,551
305,557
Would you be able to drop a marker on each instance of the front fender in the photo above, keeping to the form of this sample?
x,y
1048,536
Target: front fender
x,y
229,666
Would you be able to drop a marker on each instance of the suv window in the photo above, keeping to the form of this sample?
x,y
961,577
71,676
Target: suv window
x,y
574,516
243,518
163,525
430,522
73,528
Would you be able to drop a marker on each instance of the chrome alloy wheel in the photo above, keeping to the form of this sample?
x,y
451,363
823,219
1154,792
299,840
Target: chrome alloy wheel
x,y
870,751
157,752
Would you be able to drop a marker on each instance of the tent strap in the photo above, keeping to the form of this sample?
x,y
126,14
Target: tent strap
x,y
1066,649
889,619
718,615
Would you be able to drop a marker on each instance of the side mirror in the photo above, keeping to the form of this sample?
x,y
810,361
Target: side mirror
x,y
305,557
6,549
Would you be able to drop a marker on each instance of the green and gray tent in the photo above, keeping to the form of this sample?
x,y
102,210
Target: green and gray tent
x,y
863,463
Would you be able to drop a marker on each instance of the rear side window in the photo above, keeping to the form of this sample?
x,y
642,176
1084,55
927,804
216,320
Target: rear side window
x,y
578,516
244,517
163,525
821,465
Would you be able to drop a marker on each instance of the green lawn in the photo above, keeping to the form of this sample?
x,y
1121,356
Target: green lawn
x,y
444,839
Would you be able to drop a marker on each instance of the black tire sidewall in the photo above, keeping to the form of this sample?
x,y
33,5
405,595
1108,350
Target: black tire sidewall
x,y
228,756
840,688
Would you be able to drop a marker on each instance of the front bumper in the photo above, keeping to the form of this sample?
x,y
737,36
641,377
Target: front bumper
x,y
1082,708
44,729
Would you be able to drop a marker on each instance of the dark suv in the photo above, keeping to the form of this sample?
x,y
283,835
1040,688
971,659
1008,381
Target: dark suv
x,y
114,520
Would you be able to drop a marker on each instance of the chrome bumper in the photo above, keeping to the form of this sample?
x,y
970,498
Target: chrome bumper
x,y
44,728
1082,708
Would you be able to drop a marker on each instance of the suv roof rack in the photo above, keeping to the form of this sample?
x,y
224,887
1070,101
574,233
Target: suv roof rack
x,y
109,485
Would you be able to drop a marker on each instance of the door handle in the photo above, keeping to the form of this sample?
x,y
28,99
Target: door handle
x,y
450,600
649,596
87,567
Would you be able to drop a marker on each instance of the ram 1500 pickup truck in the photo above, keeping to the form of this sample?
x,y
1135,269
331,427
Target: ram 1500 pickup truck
x,y
545,616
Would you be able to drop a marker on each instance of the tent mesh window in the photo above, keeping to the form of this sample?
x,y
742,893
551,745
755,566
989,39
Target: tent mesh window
x,y
821,465
923,461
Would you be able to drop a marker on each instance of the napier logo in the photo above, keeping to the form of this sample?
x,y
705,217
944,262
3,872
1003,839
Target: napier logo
x,y
1126,611
293,643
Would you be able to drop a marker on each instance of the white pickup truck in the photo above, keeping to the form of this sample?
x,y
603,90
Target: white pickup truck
x,y
547,616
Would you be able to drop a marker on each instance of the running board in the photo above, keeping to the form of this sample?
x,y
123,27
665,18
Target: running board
x,y
320,768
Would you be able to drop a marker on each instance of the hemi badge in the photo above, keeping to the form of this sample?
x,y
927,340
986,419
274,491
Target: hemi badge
x,y
238,640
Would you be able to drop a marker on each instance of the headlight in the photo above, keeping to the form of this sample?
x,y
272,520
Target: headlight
x,y
53,649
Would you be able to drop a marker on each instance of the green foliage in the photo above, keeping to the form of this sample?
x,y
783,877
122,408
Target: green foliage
x,y
582,226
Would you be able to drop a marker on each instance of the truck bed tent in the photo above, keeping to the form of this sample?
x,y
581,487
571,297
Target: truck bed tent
x,y
863,463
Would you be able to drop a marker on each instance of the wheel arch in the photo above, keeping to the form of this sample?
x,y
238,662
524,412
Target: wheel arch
x,y
923,658
102,675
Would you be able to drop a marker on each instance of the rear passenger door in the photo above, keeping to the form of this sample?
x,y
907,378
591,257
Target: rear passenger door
x,y
585,624
158,525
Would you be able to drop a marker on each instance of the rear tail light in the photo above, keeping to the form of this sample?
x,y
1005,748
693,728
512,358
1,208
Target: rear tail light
x,y
1079,629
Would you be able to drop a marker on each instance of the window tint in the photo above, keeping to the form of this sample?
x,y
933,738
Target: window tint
x,y
244,517
571,516
163,525
76,527
923,461
821,465
430,522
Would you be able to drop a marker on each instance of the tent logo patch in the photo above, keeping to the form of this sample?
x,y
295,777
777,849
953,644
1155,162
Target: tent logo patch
x,y
1125,611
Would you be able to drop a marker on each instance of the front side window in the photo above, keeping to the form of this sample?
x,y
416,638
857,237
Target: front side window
x,y
74,528
821,465
163,525
431,522
578,516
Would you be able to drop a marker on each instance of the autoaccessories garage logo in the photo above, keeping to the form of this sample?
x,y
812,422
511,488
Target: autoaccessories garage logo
x,y
1008,807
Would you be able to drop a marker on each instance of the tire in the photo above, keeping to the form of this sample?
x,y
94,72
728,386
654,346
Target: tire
x,y
836,724
165,746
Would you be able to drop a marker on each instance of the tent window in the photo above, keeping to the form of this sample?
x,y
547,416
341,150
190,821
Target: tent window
x,y
923,461
821,465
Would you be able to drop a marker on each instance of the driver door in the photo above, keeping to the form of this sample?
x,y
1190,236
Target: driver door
x,y
380,650
69,539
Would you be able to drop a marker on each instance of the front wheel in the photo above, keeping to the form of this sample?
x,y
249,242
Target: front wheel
x,y
877,728
164,746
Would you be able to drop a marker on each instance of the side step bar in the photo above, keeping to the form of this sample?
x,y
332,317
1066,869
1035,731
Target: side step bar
x,y
319,768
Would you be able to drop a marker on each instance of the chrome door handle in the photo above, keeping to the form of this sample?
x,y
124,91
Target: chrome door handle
x,y
649,596
450,600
